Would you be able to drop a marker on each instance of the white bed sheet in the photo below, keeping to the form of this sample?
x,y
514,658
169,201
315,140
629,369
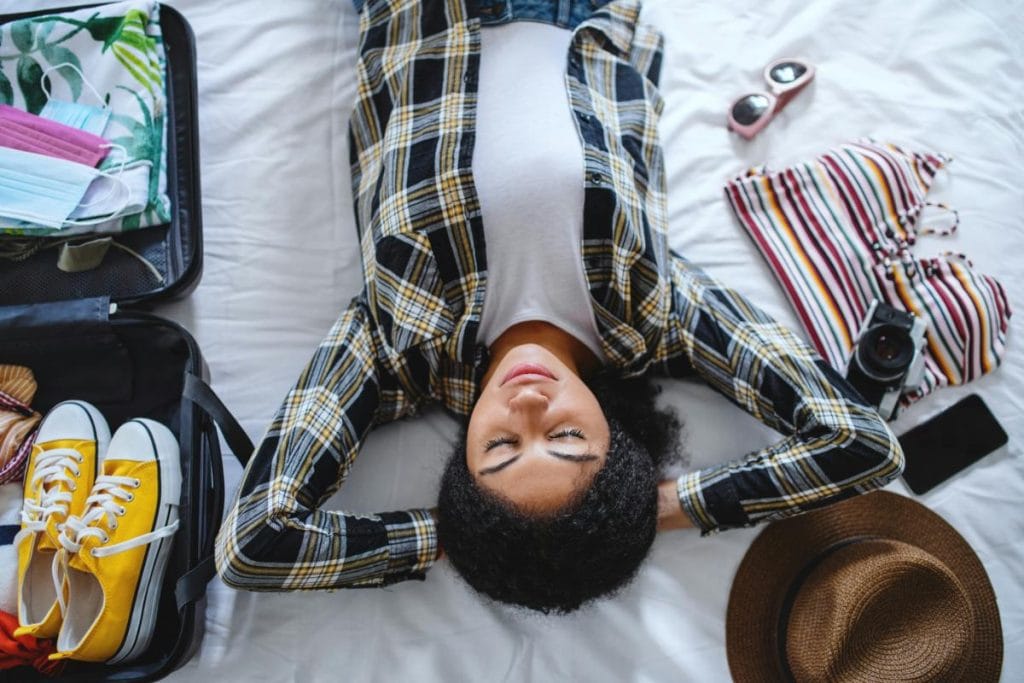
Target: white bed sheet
x,y
276,82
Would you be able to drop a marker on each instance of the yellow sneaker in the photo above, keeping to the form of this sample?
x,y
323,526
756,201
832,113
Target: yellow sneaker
x,y
61,471
115,554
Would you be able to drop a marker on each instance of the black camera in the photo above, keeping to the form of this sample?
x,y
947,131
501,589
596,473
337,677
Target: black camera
x,y
888,357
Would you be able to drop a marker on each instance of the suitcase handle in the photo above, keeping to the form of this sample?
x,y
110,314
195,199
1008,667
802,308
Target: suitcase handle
x,y
200,393
192,584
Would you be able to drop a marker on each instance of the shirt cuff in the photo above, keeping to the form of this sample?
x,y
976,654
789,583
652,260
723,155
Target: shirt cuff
x,y
710,499
412,543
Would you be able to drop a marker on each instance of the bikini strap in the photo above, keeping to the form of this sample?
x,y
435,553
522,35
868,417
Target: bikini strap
x,y
957,256
944,231
932,264
907,219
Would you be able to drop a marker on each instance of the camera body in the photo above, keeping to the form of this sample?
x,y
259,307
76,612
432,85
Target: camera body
x,y
888,357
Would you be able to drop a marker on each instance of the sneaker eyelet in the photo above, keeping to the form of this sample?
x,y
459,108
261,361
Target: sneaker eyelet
x,y
113,525
106,537
131,497
92,551
138,483
73,486
78,472
122,511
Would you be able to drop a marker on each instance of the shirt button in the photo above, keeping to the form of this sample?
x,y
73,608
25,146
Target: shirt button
x,y
596,178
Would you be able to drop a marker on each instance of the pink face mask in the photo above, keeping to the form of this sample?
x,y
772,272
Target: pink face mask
x,y
30,133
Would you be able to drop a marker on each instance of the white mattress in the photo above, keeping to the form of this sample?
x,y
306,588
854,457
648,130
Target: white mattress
x,y
276,81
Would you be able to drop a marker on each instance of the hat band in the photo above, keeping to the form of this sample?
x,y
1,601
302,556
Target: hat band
x,y
794,590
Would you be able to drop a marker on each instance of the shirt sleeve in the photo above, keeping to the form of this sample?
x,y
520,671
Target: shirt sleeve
x,y
835,444
275,536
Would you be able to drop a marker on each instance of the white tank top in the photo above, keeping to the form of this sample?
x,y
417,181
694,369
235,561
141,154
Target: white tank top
x,y
528,169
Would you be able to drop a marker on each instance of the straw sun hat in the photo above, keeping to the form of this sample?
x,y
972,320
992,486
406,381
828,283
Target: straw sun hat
x,y
875,588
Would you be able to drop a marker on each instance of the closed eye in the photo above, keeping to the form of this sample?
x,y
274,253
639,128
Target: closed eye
x,y
570,432
500,441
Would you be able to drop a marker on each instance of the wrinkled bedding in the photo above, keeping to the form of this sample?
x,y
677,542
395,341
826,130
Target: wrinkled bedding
x,y
276,81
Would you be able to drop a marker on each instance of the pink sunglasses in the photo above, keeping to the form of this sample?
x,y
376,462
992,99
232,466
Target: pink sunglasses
x,y
785,77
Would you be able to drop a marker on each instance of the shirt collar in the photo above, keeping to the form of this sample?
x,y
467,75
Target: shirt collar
x,y
616,21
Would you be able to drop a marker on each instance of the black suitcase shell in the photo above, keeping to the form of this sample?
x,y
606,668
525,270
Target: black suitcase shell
x,y
131,363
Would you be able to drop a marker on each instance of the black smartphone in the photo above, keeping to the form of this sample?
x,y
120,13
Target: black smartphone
x,y
957,437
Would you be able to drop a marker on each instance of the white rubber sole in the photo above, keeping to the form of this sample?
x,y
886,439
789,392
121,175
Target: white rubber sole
x,y
146,602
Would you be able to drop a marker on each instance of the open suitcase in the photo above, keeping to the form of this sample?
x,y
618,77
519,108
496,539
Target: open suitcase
x,y
87,336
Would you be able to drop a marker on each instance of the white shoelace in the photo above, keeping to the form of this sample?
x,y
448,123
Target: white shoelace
x,y
52,467
101,505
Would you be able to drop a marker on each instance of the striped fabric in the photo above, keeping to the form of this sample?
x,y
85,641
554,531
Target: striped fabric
x,y
17,420
838,232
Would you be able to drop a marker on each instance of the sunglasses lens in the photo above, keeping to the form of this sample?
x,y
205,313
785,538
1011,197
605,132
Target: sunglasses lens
x,y
750,109
787,72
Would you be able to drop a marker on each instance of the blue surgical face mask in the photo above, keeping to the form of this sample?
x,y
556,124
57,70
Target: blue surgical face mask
x,y
81,116
89,118
43,190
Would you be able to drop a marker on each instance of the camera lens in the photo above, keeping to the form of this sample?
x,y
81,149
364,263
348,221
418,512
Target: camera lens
x,y
887,348
885,352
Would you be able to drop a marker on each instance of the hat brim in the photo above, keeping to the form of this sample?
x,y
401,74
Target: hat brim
x,y
784,548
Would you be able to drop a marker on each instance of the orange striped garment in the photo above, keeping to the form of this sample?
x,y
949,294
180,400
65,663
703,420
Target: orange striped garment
x,y
839,231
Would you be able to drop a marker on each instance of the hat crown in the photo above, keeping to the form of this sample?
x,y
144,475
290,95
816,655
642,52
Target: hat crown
x,y
877,609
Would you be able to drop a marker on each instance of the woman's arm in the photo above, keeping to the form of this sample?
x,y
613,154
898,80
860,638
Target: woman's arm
x,y
275,536
835,444
670,512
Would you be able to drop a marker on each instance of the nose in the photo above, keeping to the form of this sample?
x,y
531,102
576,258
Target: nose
x,y
528,400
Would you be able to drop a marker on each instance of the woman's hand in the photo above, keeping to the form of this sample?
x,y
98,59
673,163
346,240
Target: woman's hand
x,y
670,510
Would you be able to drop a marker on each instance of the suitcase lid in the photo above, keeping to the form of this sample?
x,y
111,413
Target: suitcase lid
x,y
174,248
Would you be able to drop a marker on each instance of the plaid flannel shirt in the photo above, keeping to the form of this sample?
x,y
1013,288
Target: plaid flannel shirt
x,y
411,336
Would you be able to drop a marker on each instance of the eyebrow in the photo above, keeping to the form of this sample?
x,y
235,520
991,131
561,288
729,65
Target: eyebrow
x,y
585,457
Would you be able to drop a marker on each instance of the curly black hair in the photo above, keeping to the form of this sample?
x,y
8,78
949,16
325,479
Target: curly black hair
x,y
593,545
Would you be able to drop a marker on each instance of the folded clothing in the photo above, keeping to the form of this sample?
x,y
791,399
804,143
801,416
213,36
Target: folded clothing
x,y
11,499
25,650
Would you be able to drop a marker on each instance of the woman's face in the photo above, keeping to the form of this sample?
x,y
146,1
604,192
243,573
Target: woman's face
x,y
537,433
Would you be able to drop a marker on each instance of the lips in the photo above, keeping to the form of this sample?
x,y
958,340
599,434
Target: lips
x,y
533,370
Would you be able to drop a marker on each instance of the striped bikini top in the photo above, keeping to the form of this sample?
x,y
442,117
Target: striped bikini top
x,y
838,232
